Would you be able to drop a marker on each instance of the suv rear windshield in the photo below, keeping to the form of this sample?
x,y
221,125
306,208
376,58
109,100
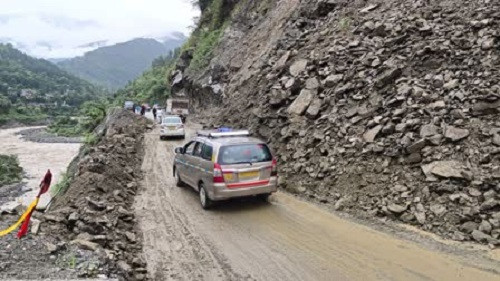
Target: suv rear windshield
x,y
172,120
244,153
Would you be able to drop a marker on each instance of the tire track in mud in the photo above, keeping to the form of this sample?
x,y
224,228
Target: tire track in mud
x,y
174,250
285,240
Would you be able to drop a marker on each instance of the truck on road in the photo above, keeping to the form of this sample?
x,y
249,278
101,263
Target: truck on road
x,y
178,106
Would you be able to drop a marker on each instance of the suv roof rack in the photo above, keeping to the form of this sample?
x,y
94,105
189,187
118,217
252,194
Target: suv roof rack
x,y
223,133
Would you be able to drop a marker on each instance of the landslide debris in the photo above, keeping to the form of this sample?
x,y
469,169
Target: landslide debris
x,y
95,215
385,109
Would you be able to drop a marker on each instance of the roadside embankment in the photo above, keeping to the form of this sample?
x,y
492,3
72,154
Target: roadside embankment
x,y
89,229
95,213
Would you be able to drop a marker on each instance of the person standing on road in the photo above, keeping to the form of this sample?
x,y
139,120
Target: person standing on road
x,y
154,113
143,110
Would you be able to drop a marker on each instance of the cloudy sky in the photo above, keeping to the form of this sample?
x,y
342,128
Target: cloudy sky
x,y
65,28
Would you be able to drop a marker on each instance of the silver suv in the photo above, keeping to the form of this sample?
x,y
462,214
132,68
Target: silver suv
x,y
223,165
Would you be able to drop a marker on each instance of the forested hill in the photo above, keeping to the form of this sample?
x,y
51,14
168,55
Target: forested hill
x,y
32,89
39,79
114,66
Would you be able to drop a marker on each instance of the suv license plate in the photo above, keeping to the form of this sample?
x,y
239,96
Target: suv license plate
x,y
249,174
228,177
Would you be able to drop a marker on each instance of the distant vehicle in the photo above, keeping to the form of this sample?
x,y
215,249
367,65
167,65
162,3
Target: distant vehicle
x,y
129,105
224,165
172,126
178,106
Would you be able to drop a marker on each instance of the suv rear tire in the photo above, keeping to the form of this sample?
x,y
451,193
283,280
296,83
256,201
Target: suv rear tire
x,y
205,201
264,197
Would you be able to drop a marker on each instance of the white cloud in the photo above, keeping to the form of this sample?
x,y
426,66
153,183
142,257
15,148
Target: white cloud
x,y
55,28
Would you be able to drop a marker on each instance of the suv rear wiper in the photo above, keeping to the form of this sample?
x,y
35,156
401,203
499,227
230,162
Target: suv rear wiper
x,y
245,162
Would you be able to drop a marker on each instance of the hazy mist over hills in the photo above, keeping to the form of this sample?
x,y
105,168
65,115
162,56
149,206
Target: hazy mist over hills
x,y
66,29
114,66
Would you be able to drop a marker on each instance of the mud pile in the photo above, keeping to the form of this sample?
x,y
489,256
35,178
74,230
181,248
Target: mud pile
x,y
95,214
383,109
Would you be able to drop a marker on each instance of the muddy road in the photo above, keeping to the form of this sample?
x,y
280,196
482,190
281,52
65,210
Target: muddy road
x,y
286,239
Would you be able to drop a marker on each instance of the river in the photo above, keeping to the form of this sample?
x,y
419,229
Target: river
x,y
36,159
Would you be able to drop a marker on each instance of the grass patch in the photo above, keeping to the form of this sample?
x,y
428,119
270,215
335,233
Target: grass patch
x,y
66,127
90,139
23,118
206,42
61,186
10,171
345,24
214,20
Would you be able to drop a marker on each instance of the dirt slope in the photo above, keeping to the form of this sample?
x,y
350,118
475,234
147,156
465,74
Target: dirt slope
x,y
284,240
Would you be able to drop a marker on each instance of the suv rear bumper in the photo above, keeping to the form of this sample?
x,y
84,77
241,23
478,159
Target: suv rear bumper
x,y
222,192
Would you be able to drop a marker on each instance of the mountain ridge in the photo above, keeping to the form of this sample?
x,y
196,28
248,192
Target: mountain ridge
x,y
105,65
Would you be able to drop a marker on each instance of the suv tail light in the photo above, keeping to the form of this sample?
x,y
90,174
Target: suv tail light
x,y
180,126
218,176
274,168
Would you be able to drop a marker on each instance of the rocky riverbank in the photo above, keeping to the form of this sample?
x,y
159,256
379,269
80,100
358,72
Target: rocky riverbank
x,y
41,135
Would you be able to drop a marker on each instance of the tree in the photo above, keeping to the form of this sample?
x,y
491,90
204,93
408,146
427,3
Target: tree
x,y
202,4
5,104
94,112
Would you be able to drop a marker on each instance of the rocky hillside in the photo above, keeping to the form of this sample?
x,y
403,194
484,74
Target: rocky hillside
x,y
383,109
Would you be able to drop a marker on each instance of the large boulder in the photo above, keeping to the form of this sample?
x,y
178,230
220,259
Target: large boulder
x,y
301,103
455,134
314,108
443,169
370,135
387,77
298,67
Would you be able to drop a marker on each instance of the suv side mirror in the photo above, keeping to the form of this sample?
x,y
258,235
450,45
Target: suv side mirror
x,y
179,150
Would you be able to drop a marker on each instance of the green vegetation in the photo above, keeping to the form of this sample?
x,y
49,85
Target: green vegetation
x,y
91,139
214,19
23,114
61,186
35,89
345,24
114,66
10,171
65,126
207,41
93,113
152,86
90,115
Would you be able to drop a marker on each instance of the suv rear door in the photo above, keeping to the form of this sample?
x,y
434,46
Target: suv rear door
x,y
195,172
245,165
183,164
207,166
